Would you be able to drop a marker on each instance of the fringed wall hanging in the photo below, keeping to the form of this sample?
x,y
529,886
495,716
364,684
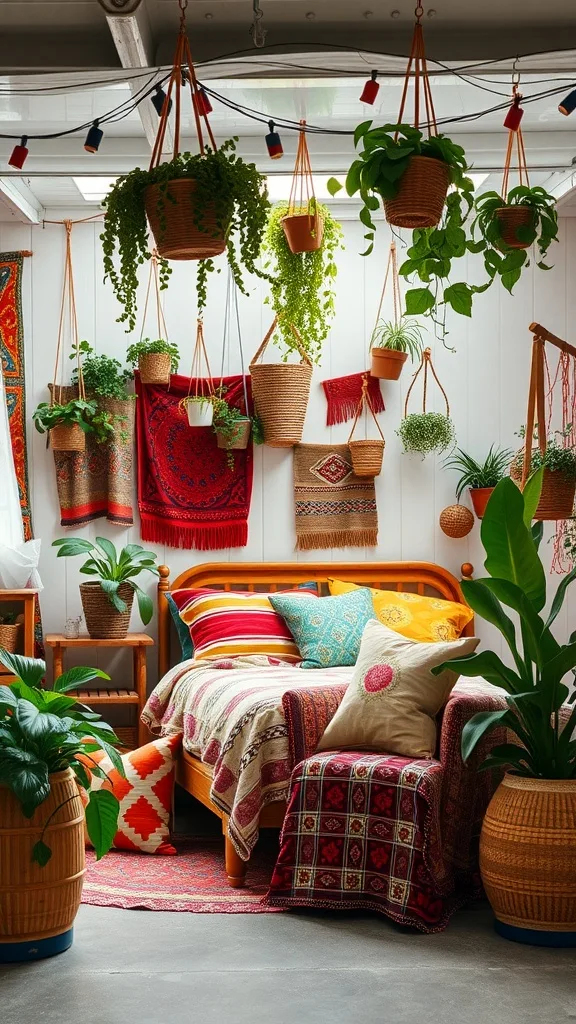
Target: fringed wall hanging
x,y
367,455
281,392
426,431
156,359
334,508
198,403
344,393
304,224
232,422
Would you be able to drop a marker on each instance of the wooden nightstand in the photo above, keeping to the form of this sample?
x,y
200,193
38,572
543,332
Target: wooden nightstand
x,y
20,601
134,735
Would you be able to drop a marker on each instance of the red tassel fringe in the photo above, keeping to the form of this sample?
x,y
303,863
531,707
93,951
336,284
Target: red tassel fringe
x,y
344,393
200,537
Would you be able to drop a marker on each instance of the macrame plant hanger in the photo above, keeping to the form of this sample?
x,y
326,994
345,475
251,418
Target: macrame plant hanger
x,y
387,363
155,367
67,438
425,364
160,319
231,311
303,225
366,454
198,401
511,218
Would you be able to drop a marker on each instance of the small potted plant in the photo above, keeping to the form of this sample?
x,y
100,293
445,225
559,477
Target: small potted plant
x,y
426,432
10,628
156,360
391,345
103,376
559,478
526,215
67,423
46,737
199,410
480,477
107,601
231,426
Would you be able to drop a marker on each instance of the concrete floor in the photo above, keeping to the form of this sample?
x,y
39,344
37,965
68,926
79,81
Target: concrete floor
x,y
138,967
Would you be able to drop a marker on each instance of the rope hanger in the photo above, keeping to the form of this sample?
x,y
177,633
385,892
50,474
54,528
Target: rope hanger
x,y
425,363
67,304
515,140
391,266
418,67
302,180
232,300
160,319
200,360
365,401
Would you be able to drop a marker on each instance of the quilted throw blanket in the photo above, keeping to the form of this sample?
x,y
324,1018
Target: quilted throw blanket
x,y
230,714
334,507
188,494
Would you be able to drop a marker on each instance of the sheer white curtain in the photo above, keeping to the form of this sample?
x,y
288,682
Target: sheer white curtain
x,y
11,530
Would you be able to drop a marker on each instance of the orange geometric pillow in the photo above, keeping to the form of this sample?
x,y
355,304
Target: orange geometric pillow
x,y
145,795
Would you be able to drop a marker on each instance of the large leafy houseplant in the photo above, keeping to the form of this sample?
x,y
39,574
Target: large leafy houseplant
x,y
233,189
103,375
302,284
78,411
45,731
504,246
112,569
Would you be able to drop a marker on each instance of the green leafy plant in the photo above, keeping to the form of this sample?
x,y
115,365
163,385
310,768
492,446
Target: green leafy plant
x,y
302,284
475,474
405,336
535,692
500,259
235,190
78,411
158,347
227,419
426,432
9,619
556,457
103,375
44,731
111,569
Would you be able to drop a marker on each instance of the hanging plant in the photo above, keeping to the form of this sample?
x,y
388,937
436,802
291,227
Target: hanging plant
x,y
302,284
103,376
426,432
156,360
509,226
79,414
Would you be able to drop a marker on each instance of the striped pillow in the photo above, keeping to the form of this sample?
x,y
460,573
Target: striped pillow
x,y
225,624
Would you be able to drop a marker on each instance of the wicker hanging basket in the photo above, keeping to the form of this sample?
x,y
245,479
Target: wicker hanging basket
x,y
238,438
557,494
280,392
154,368
510,218
9,636
366,455
420,199
456,521
67,438
172,215
103,621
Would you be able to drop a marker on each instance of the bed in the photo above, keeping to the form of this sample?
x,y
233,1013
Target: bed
x,y
196,775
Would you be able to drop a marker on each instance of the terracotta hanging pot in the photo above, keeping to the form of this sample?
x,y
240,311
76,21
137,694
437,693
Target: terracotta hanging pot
x,y
304,232
421,196
387,364
510,218
480,497
172,215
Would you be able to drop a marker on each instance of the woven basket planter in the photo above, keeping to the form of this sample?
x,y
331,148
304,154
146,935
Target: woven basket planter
x,y
367,457
9,636
421,196
154,368
179,238
511,218
103,622
303,233
239,438
480,496
528,860
280,392
557,494
38,904
456,521
68,438
387,364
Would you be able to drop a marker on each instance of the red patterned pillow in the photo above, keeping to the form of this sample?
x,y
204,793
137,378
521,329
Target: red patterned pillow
x,y
145,794
225,624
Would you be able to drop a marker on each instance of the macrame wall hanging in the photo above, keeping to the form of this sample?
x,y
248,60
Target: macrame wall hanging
x,y
366,455
198,403
154,367
426,432
303,225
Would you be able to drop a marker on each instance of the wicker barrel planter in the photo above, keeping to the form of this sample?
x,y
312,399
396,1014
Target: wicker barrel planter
x,y
387,364
9,636
154,368
480,497
366,457
68,438
528,860
38,904
103,622
421,196
557,494
280,392
304,233
237,439
176,235
510,218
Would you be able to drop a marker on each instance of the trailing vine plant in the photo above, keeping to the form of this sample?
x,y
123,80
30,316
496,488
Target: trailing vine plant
x,y
302,284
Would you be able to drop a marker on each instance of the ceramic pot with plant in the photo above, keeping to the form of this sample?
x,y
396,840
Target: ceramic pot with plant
x,y
559,479
480,477
391,345
67,423
107,601
46,737
528,836
10,629
156,360
199,410
426,432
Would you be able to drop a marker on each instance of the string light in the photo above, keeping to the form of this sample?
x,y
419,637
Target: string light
x,y
568,103
370,90
158,98
94,138
19,154
274,143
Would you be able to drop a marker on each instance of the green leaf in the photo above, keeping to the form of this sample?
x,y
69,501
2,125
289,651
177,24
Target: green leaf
x,y
460,298
72,546
333,186
361,130
531,495
26,775
558,597
102,820
486,664
353,178
541,642
81,774
41,853
110,588
76,677
30,670
418,300
484,603
510,551
145,605
7,699
478,726
562,663
109,550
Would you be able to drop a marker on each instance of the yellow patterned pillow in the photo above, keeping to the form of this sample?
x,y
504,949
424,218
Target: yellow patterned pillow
x,y
426,619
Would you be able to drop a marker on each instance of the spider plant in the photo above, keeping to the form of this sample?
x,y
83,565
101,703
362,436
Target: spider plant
x,y
475,474
404,336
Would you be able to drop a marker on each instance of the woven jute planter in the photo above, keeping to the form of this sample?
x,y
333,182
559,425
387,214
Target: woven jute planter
x,y
281,392
304,233
421,196
9,636
38,904
68,438
179,238
103,622
154,368
557,494
480,497
456,521
387,364
528,859
510,218
239,438
366,457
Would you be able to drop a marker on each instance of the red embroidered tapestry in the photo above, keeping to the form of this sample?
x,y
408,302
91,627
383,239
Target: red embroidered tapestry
x,y
188,495
12,358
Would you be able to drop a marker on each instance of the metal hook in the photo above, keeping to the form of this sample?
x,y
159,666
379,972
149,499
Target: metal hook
x,y
515,72
257,31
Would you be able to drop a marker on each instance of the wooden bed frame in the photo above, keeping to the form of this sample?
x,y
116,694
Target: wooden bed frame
x,y
268,577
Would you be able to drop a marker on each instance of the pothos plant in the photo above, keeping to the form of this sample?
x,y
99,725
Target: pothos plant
x,y
227,420
501,259
302,284
235,190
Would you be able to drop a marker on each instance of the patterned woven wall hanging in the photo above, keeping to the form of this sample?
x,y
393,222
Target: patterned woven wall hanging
x,y
334,508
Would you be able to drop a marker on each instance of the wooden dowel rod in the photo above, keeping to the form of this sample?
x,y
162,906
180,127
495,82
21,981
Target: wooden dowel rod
x,y
540,401
540,332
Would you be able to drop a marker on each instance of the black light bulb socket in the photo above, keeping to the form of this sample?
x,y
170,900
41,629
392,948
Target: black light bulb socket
x,y
93,138
158,99
568,103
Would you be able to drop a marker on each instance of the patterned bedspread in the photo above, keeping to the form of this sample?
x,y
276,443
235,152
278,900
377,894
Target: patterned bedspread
x,y
230,714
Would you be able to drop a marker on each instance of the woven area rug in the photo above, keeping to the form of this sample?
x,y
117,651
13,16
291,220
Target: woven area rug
x,y
193,882
334,508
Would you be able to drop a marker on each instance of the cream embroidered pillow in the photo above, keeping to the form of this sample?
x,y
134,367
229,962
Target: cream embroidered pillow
x,y
393,697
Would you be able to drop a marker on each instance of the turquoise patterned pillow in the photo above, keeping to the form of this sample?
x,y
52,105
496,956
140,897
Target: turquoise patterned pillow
x,y
327,632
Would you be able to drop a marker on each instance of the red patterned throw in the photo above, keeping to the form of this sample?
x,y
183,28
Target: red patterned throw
x,y
188,495
344,393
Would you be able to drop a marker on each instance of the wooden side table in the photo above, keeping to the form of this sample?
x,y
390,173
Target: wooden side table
x,y
136,734
26,599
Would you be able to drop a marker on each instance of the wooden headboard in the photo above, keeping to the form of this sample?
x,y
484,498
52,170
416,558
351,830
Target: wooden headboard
x,y
267,577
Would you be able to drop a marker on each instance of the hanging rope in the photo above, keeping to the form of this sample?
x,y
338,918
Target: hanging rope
x,y
515,141
67,304
302,179
425,363
365,402
204,385
160,319
391,266
232,299
418,68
